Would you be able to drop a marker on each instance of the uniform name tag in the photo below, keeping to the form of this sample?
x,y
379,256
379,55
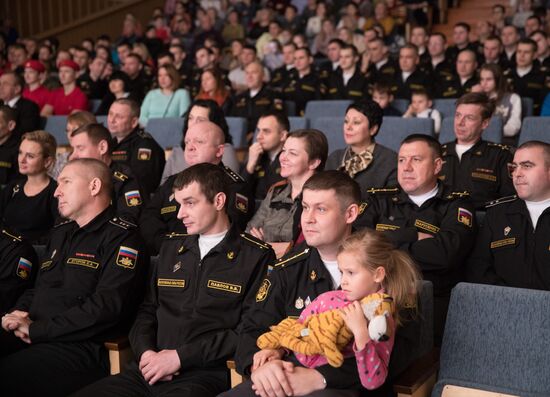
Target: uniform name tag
x,y
170,282
167,210
502,243
82,262
426,226
481,175
236,289
382,227
5,164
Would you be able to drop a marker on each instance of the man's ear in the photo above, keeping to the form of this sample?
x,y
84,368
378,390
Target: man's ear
x,y
95,186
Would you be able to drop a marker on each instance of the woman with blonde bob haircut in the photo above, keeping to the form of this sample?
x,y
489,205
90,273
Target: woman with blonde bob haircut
x,y
27,204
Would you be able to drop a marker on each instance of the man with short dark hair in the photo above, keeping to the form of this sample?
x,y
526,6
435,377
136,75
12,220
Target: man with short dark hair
x,y
89,284
306,85
438,65
282,75
262,168
94,141
461,41
28,113
470,163
347,82
379,65
509,35
409,77
512,246
139,81
493,50
429,220
204,143
199,290
133,146
464,79
92,82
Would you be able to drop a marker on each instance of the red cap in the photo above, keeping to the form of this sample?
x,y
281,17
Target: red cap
x,y
35,65
70,64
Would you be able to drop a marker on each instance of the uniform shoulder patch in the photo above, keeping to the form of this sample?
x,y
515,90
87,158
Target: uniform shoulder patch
x,y
232,174
457,195
254,241
291,259
383,190
120,176
12,236
144,134
122,223
502,200
284,182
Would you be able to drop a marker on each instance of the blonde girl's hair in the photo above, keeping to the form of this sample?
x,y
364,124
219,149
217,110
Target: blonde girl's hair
x,y
402,274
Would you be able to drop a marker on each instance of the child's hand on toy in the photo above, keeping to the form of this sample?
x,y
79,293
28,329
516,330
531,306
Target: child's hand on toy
x,y
357,323
265,355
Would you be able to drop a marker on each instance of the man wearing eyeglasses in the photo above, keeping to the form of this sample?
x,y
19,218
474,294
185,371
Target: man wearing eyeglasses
x,y
512,248
470,163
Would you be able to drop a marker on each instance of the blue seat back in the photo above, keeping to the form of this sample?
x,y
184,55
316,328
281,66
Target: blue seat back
x,y
56,126
298,123
167,131
237,130
535,128
394,129
401,104
332,127
445,106
327,108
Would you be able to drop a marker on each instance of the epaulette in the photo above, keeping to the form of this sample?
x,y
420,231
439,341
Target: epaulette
x,y
255,241
232,174
387,190
11,236
120,176
281,183
456,195
63,223
144,134
122,223
174,235
284,261
502,200
502,147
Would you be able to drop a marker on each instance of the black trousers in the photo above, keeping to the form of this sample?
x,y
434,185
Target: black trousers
x,y
245,390
130,383
52,369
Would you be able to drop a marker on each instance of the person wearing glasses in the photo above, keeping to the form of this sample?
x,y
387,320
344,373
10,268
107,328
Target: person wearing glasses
x,y
512,246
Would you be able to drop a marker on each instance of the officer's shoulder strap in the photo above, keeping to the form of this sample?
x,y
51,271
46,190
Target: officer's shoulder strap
x,y
144,134
62,223
383,190
120,176
499,146
457,195
502,200
122,223
232,174
250,239
11,235
292,258
175,236
281,183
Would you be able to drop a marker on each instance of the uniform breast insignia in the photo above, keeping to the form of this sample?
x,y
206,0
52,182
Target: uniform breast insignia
x,y
313,275
263,290
299,303
425,226
133,198
5,164
307,301
127,257
170,282
15,190
119,155
503,242
144,154
465,217
181,249
241,202
45,265
362,207
230,255
176,267
382,227
171,197
24,268
223,286
120,176
507,230
485,176
168,210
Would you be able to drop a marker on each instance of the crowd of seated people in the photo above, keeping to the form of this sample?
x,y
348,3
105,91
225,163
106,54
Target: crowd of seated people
x,y
214,214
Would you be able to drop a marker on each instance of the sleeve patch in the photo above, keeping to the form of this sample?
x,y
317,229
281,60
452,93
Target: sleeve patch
x,y
127,257
24,268
263,290
465,217
133,198
144,154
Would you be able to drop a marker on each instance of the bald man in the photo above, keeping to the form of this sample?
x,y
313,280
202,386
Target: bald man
x,y
204,143
87,291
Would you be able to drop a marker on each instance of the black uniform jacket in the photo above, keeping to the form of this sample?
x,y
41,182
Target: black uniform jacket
x,y
482,171
509,251
18,267
448,217
143,155
89,282
195,305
